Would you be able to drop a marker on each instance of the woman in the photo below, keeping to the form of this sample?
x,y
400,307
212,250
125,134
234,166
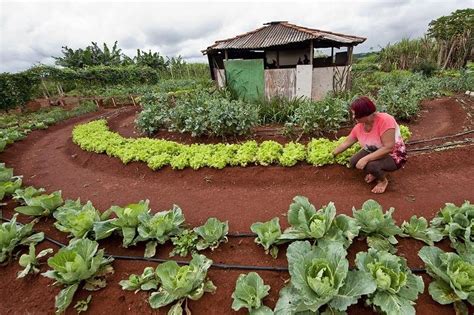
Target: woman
x,y
382,145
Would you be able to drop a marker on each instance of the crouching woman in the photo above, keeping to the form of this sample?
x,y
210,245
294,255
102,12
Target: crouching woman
x,y
382,145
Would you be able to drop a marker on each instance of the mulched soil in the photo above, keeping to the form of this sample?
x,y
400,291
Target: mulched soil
x,y
48,158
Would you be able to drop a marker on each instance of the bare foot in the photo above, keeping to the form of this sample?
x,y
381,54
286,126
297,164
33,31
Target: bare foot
x,y
369,178
380,187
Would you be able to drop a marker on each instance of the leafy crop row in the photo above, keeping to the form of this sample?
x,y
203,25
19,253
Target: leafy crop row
x,y
96,137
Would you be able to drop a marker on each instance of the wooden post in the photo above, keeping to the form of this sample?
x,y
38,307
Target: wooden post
x,y
113,102
226,55
349,65
349,55
133,101
311,52
278,59
332,56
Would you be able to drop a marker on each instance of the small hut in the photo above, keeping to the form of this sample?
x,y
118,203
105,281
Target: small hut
x,y
285,60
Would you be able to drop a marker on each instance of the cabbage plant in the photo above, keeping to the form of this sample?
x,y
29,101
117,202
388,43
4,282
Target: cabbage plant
x,y
30,262
456,222
159,228
13,234
8,182
36,203
418,228
397,287
126,222
79,262
181,283
379,228
77,219
453,277
268,234
306,222
249,292
146,281
321,280
211,234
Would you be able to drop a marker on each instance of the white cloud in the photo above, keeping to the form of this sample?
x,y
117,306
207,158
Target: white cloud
x,y
32,32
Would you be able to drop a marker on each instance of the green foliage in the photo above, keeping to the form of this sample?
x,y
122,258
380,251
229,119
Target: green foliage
x,y
457,223
13,234
305,222
277,110
181,283
146,281
16,89
184,243
453,277
79,262
126,222
397,287
320,278
36,203
249,292
418,228
30,261
96,137
8,182
268,234
315,117
77,219
159,228
212,233
379,228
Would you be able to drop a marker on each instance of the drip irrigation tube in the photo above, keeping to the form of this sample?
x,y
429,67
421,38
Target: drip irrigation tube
x,y
446,145
440,138
184,262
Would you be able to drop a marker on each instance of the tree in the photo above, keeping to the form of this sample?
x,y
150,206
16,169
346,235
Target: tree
x,y
90,56
152,60
455,36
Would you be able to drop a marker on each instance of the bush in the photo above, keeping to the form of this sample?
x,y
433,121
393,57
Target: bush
x,y
317,117
199,113
16,89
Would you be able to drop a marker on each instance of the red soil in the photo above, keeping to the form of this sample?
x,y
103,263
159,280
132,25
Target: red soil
x,y
241,195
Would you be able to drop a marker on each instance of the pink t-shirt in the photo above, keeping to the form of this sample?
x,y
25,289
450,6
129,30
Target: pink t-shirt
x,y
372,140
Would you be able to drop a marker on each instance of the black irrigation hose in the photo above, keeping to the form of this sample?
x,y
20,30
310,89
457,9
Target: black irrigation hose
x,y
184,262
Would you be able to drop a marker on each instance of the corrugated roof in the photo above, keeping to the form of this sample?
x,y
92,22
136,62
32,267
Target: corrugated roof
x,y
281,33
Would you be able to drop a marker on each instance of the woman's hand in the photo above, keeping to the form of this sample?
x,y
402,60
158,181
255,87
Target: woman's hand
x,y
362,163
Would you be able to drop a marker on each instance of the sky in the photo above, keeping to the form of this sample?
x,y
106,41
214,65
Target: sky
x,y
31,32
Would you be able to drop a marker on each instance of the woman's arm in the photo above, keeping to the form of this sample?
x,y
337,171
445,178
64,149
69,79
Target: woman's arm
x,y
343,146
388,142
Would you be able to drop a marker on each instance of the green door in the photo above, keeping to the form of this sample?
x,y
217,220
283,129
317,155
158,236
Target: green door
x,y
246,78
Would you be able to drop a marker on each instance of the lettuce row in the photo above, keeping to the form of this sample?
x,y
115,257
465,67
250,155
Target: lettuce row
x,y
96,137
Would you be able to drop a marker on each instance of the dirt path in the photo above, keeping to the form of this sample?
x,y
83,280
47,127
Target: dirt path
x,y
241,195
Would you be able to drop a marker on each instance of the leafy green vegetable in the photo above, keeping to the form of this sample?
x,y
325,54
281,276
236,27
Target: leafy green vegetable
x,y
454,277
397,286
13,234
8,182
212,233
30,261
306,222
146,281
181,283
457,223
184,243
249,293
77,219
79,262
126,222
268,234
159,228
319,276
379,228
37,204
343,230
418,228
83,305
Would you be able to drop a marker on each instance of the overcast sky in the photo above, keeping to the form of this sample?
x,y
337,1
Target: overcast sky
x,y
33,31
